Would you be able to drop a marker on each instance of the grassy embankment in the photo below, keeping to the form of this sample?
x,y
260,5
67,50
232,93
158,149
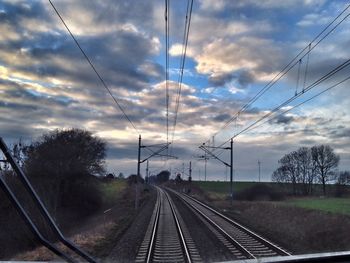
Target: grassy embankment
x,y
112,190
300,225
92,231
332,205
220,190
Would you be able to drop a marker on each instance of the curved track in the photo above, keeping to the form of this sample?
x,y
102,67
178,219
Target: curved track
x,y
167,239
242,242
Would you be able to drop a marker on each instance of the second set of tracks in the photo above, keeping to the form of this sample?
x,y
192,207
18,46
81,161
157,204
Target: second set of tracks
x,y
168,239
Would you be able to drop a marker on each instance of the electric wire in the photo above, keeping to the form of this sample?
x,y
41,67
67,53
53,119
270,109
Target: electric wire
x,y
285,103
289,66
306,68
167,7
301,103
298,78
182,62
94,69
253,127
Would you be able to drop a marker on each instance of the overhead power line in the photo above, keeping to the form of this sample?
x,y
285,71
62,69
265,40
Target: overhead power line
x,y
304,52
93,68
301,103
182,61
167,17
285,103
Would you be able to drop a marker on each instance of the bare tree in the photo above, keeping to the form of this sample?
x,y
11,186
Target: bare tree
x,y
288,170
306,171
303,167
326,162
343,178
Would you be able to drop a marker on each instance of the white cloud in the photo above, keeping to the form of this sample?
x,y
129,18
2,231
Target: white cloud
x,y
221,5
223,56
314,19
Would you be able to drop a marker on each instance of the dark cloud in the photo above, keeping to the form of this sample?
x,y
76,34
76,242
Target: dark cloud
x,y
282,119
121,152
308,142
117,55
242,77
222,117
220,79
129,151
341,133
14,11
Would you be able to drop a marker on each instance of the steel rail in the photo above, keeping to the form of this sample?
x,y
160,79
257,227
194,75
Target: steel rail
x,y
179,228
165,226
233,240
269,243
154,229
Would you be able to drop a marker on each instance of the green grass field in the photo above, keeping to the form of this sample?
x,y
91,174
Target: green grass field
x,y
223,187
112,189
220,190
332,205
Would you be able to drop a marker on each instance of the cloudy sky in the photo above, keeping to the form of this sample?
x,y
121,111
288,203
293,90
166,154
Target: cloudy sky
x,y
235,48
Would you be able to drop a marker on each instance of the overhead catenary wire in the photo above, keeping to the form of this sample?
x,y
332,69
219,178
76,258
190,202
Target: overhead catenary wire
x,y
306,68
182,62
301,103
167,18
94,69
285,103
290,65
298,77
256,124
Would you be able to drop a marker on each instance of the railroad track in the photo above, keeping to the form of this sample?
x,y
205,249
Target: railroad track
x,y
242,242
167,238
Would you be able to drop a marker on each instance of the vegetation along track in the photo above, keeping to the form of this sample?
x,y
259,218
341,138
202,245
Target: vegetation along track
x,y
167,238
241,241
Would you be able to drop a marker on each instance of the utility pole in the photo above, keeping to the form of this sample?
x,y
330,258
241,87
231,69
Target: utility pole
x,y
205,167
259,169
210,153
156,151
231,171
183,169
137,175
190,172
147,176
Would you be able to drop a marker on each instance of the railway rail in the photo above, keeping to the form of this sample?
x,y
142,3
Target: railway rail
x,y
167,238
242,242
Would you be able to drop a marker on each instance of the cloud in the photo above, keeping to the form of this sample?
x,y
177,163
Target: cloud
x,y
283,119
222,117
314,19
235,47
222,5
248,56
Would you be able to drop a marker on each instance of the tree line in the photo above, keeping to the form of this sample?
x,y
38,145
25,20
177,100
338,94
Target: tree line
x,y
306,167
